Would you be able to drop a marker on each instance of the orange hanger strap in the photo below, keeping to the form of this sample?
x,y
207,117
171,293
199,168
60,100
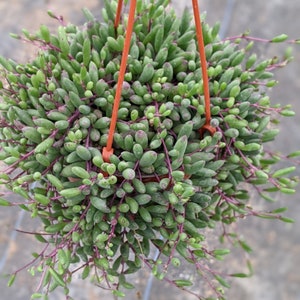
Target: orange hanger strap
x,y
118,13
108,150
201,49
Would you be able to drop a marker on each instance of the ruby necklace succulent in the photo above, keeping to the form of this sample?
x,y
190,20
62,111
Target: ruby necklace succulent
x,y
165,182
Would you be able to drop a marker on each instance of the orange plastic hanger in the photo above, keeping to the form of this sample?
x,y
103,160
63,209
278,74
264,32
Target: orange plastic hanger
x,y
108,150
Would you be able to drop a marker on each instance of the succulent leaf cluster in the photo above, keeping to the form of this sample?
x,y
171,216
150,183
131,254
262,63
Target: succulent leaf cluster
x,y
166,181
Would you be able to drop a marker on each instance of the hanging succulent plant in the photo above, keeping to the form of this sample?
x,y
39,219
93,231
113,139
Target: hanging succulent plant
x,y
166,180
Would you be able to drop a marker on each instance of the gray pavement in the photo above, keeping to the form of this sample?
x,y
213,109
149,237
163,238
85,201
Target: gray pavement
x,y
276,256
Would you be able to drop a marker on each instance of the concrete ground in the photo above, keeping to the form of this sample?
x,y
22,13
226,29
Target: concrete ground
x,y
276,245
